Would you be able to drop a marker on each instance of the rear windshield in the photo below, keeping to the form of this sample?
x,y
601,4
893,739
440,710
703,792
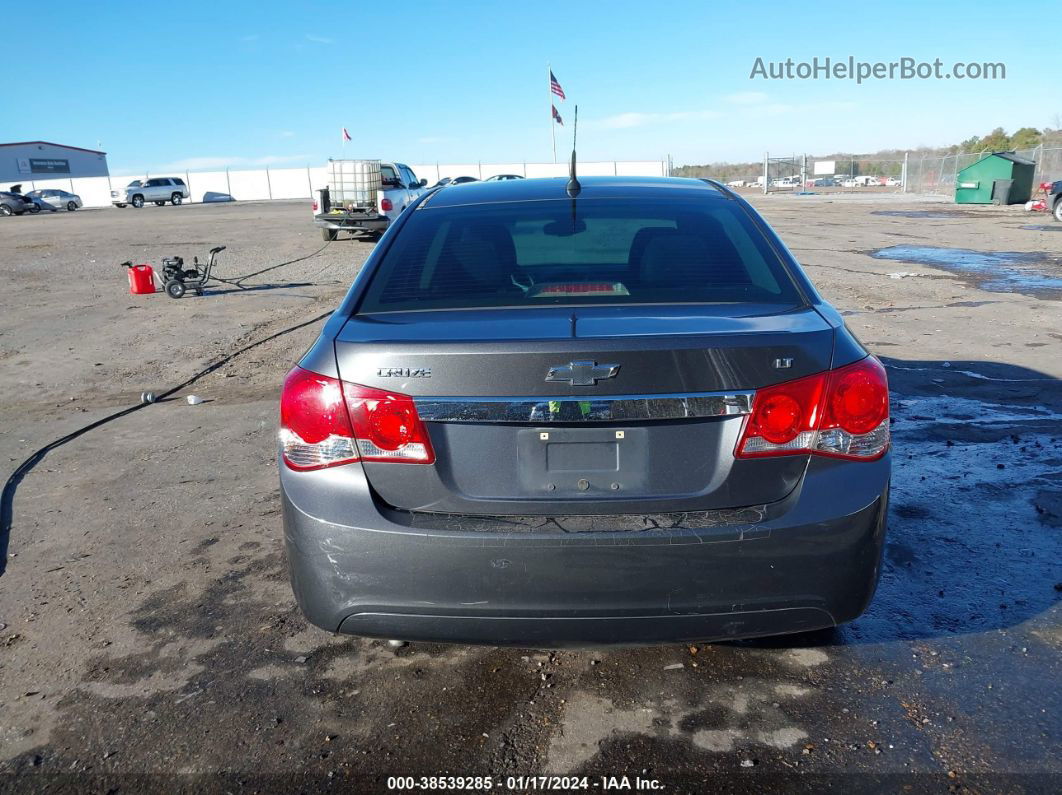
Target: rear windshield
x,y
590,251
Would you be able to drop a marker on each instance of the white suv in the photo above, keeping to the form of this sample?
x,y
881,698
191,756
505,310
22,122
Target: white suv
x,y
157,189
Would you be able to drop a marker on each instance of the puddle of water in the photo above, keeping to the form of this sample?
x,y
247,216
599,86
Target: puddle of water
x,y
1041,228
996,271
924,213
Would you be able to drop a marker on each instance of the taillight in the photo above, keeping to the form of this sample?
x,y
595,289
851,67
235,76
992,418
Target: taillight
x,y
315,205
386,205
386,426
842,413
315,428
326,422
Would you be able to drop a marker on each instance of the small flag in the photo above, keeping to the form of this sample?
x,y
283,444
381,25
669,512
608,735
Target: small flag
x,y
346,135
554,86
556,116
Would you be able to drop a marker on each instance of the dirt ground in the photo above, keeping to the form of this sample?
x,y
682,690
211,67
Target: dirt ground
x,y
149,639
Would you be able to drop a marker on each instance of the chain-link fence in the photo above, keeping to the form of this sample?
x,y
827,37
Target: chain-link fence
x,y
911,173
938,173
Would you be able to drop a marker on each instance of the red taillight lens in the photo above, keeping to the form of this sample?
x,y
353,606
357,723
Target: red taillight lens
x,y
315,205
315,430
386,205
843,413
859,397
387,426
326,422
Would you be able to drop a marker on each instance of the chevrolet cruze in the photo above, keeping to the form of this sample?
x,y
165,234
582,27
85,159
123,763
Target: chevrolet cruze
x,y
610,413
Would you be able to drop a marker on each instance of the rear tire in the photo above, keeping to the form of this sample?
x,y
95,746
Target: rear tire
x,y
1058,209
34,209
175,289
137,201
5,210
175,199
71,206
329,234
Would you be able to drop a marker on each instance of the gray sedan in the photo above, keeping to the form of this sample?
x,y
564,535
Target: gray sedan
x,y
56,200
610,413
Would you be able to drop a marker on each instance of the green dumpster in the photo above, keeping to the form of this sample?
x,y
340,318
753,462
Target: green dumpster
x,y
988,178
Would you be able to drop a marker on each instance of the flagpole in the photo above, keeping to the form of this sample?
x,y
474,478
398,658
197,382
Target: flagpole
x,y
552,121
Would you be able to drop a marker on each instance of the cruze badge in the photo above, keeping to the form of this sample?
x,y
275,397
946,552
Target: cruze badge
x,y
404,372
582,373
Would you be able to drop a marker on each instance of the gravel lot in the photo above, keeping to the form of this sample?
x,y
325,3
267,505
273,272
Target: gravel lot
x,y
149,639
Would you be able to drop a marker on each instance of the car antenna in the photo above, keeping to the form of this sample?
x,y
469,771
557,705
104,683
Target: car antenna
x,y
573,181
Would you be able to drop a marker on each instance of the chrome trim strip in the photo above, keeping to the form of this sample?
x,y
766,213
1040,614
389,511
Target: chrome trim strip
x,y
605,408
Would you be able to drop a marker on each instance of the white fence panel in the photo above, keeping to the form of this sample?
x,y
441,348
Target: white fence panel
x,y
547,170
290,183
608,169
205,186
249,185
643,168
490,169
319,177
94,191
459,170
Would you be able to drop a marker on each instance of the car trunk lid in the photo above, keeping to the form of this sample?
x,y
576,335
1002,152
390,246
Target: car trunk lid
x,y
584,410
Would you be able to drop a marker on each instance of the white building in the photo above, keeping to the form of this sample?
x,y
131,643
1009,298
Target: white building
x,y
29,161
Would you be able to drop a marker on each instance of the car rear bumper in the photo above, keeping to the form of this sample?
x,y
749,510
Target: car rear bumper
x,y
375,223
814,565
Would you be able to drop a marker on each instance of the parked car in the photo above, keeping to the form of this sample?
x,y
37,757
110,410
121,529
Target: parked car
x,y
851,182
502,177
736,183
14,204
157,189
55,200
28,204
442,183
893,182
1054,199
824,182
624,416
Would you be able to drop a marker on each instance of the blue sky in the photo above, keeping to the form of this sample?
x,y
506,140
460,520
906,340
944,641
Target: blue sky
x,y
205,85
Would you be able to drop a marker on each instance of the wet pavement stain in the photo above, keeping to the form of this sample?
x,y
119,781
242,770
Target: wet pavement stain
x,y
1029,273
1041,228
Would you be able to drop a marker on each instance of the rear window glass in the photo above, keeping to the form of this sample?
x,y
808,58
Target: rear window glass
x,y
591,251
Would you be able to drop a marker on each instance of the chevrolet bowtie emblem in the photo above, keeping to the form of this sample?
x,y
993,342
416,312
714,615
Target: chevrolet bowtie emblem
x,y
582,373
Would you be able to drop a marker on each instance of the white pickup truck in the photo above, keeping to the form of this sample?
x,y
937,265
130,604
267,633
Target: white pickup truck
x,y
364,196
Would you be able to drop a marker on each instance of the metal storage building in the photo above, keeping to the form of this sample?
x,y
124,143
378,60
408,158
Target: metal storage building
x,y
27,161
999,178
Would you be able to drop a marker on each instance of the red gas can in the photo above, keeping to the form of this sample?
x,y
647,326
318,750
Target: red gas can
x,y
141,279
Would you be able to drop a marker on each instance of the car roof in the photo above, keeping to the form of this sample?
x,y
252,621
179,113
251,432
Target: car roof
x,y
538,189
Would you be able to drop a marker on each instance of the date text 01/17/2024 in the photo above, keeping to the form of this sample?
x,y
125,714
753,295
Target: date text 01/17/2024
x,y
524,783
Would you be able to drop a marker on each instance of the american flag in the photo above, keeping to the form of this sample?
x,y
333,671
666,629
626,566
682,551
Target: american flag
x,y
557,116
555,87
346,135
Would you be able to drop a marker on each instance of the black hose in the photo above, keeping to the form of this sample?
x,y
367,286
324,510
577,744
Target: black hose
x,y
7,498
237,281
